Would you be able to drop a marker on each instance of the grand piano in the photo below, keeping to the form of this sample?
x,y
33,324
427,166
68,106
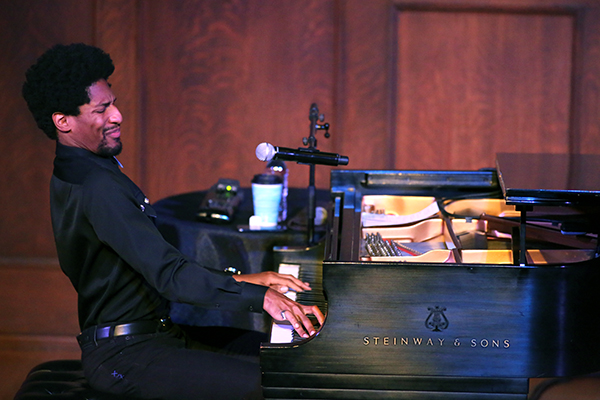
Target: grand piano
x,y
449,284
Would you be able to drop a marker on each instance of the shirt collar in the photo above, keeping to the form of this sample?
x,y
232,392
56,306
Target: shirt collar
x,y
63,151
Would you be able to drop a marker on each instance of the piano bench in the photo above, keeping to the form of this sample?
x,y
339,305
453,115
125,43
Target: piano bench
x,y
58,380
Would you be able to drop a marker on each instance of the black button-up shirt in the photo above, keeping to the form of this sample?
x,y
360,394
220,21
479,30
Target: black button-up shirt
x,y
117,260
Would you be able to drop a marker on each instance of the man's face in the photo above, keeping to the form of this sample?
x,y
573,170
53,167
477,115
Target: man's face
x,y
97,128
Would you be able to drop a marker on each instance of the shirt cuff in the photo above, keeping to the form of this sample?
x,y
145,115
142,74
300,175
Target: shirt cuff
x,y
255,295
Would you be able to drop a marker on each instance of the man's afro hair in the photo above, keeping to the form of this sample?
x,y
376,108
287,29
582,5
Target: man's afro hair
x,y
59,81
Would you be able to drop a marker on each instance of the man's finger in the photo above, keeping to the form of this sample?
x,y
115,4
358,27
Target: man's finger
x,y
290,316
284,289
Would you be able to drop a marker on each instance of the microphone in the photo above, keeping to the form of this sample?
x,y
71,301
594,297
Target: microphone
x,y
267,152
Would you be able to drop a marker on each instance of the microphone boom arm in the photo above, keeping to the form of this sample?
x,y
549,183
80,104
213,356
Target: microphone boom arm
x,y
310,156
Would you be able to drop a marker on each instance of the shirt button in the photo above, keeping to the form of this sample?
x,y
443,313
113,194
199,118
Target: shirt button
x,y
251,308
142,207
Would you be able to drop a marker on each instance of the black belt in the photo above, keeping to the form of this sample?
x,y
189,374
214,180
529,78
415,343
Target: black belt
x,y
95,333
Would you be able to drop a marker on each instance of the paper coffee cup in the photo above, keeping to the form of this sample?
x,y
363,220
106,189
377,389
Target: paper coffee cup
x,y
266,198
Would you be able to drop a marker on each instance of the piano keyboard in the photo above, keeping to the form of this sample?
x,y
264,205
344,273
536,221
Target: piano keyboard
x,y
282,331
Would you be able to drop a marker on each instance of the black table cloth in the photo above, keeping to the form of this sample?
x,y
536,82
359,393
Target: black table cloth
x,y
224,245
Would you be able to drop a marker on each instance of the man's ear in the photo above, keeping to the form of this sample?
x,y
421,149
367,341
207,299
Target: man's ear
x,y
61,122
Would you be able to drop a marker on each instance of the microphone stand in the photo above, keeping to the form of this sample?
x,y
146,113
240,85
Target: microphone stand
x,y
311,142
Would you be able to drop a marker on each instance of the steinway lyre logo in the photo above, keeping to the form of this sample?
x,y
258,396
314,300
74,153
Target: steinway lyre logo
x,y
436,321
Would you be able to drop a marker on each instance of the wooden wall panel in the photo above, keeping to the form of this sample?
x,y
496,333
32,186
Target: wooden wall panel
x,y
39,310
19,354
546,100
38,299
235,74
27,28
116,31
366,90
586,81
469,86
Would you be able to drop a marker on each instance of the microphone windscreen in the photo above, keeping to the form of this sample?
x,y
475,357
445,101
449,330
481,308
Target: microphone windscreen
x,y
265,151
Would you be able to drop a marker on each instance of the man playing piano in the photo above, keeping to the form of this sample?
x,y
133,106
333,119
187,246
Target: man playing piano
x,y
124,272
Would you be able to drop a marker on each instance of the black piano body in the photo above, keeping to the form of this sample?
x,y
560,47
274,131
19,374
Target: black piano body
x,y
460,328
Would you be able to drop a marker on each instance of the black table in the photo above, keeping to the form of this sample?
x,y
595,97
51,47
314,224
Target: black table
x,y
220,246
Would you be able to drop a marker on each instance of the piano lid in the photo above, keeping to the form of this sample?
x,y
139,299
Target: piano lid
x,y
549,179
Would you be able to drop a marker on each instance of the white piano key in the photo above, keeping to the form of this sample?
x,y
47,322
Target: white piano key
x,y
282,331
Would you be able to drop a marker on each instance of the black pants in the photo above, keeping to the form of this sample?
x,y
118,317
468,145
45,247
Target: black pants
x,y
201,363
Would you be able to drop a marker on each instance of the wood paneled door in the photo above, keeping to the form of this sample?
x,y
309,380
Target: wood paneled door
x,y
448,84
